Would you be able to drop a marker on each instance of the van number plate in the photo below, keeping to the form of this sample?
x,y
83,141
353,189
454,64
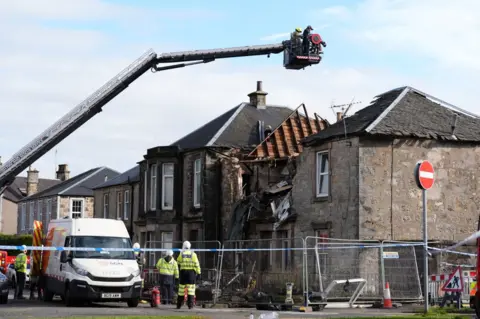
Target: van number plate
x,y
111,295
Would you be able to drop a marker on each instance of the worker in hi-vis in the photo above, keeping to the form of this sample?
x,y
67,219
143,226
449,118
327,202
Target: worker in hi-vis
x,y
21,272
168,270
190,272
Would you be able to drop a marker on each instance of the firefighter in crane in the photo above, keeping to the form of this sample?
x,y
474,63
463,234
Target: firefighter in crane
x,y
190,272
296,38
306,39
168,270
21,272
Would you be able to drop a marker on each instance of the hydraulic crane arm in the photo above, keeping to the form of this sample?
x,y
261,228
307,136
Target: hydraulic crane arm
x,y
94,103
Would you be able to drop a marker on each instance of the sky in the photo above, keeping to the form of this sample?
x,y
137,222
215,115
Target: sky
x,y
54,53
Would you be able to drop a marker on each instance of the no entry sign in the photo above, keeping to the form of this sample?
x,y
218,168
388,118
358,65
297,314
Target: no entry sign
x,y
424,174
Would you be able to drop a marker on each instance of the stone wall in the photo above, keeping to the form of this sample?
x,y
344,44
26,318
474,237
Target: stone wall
x,y
65,206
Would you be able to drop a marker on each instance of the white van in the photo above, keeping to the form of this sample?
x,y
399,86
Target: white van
x,y
84,276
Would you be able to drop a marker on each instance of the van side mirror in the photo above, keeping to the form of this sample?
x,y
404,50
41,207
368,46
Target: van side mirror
x,y
64,257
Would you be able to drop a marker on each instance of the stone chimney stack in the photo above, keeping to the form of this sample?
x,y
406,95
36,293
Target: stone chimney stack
x,y
32,181
259,97
339,116
63,173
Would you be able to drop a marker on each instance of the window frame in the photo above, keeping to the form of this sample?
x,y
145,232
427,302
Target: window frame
x,y
164,178
119,204
153,186
318,174
126,204
31,214
71,212
322,235
197,177
23,215
48,211
40,210
145,190
106,204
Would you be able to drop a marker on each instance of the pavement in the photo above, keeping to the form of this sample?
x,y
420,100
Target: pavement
x,y
22,309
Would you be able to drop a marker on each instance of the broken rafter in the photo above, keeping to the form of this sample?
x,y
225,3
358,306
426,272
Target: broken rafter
x,y
308,120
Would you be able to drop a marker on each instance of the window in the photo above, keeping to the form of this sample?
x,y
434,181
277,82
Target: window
x,y
49,211
284,243
322,174
266,256
167,240
322,237
238,257
126,205
23,216
145,191
151,244
106,198
167,186
153,186
77,207
119,204
197,182
40,210
31,215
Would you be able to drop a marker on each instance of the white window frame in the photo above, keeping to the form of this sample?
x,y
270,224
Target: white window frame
x,y
31,214
119,204
106,199
319,173
165,244
145,190
71,212
126,204
23,216
197,171
48,211
152,254
40,210
153,187
164,178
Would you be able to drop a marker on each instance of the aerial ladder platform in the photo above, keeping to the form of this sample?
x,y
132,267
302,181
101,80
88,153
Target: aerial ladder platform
x,y
294,59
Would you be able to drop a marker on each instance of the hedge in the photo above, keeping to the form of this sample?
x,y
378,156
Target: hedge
x,y
15,240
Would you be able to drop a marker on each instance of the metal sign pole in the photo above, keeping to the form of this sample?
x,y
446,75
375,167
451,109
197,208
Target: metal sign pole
x,y
425,251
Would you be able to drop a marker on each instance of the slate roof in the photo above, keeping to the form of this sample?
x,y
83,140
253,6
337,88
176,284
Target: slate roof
x,y
18,189
80,185
406,112
238,127
130,176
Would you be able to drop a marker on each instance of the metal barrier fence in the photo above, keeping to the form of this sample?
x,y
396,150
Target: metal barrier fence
x,y
399,267
328,260
260,276
209,258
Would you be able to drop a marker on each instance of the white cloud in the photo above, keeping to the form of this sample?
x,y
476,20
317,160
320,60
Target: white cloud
x,y
445,31
46,72
276,36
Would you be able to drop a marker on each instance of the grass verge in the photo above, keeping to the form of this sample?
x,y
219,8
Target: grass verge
x,y
133,317
446,310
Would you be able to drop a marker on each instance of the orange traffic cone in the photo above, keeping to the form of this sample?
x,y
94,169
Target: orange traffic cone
x,y
387,300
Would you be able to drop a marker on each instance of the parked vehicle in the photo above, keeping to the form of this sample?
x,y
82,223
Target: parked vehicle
x,y
11,274
80,276
3,288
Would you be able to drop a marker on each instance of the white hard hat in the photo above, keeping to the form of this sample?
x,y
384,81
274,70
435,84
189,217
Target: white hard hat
x,y
186,245
24,248
136,246
169,252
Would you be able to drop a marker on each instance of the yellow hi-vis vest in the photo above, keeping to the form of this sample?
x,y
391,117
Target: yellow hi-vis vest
x,y
21,263
167,268
188,260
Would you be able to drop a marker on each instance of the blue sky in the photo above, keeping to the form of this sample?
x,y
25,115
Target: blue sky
x,y
54,53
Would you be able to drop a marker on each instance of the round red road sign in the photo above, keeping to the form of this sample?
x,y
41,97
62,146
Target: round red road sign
x,y
424,174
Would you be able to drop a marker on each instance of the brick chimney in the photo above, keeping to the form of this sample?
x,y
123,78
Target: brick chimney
x,y
32,181
259,97
63,173
339,116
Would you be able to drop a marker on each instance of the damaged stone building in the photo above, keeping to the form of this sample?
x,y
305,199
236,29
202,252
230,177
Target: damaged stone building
x,y
191,189
354,180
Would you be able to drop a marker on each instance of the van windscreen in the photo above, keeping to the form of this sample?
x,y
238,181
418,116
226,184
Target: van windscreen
x,y
102,242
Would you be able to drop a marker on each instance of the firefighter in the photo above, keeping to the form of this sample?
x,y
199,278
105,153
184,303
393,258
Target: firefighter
x,y
21,272
296,38
189,267
168,269
306,40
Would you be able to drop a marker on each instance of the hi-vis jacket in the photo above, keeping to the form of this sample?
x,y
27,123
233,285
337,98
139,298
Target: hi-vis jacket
x,y
189,267
168,269
21,263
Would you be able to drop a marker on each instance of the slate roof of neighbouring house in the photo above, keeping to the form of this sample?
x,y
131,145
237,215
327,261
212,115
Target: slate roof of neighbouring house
x,y
237,127
18,189
406,112
80,185
130,176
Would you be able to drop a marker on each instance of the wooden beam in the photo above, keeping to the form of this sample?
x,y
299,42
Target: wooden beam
x,y
299,121
285,140
308,119
294,136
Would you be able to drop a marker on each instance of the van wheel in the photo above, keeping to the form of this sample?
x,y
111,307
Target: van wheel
x,y
47,295
133,303
68,299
